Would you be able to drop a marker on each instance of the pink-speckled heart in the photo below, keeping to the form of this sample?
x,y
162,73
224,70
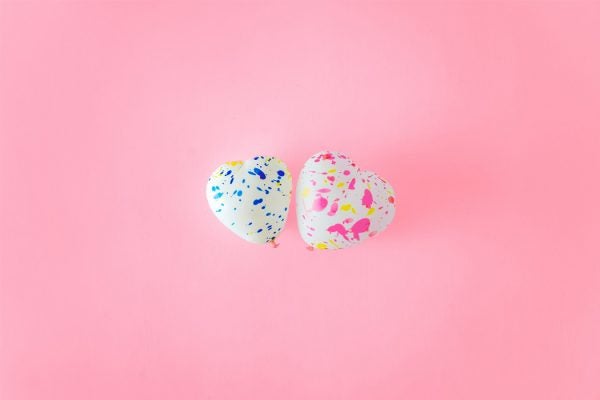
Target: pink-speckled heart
x,y
338,204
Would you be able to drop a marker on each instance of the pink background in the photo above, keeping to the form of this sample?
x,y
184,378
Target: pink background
x,y
118,283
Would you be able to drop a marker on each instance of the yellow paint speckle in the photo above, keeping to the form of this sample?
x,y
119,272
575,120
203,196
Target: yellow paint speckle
x,y
371,211
321,246
341,184
332,171
305,192
346,207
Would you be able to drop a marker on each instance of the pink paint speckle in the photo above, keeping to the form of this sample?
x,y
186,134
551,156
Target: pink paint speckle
x,y
360,226
331,178
333,209
351,184
367,199
324,156
339,228
319,203
346,172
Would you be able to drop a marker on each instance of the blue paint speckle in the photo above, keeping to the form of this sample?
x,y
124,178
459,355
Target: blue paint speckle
x,y
218,195
259,231
259,173
228,172
280,173
257,201
239,193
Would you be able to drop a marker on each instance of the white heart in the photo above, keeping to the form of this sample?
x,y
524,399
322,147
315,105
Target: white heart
x,y
338,205
251,197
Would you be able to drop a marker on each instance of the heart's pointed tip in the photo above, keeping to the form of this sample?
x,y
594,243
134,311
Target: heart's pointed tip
x,y
310,248
273,244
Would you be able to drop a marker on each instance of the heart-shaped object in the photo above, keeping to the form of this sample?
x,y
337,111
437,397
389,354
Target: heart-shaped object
x,y
251,197
338,205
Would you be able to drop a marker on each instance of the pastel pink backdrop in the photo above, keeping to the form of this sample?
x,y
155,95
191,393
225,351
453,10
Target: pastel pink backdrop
x,y
118,283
